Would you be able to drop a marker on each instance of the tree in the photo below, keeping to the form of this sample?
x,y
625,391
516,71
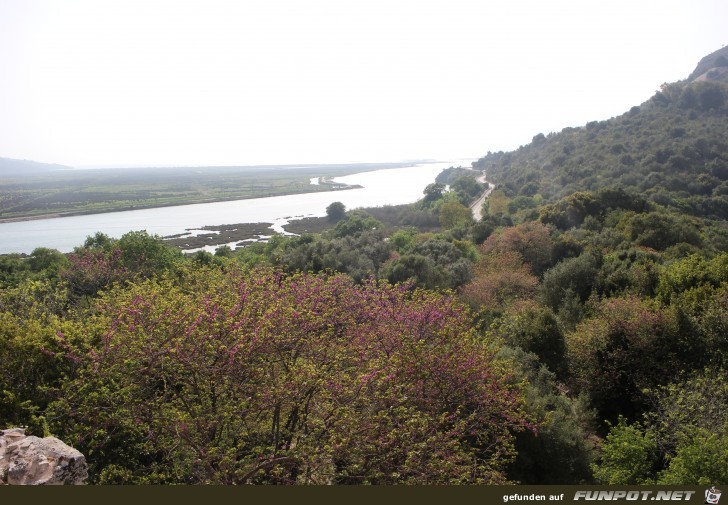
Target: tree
x,y
453,214
660,230
711,95
685,408
629,456
531,240
500,280
683,441
356,222
145,255
432,192
434,263
335,212
561,450
575,275
535,329
101,261
626,348
49,260
37,356
411,267
467,189
701,459
690,273
224,251
261,377
570,211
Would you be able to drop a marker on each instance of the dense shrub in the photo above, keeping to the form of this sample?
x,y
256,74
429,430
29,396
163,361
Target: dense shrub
x,y
262,377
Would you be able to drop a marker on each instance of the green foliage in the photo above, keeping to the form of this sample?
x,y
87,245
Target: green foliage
x,y
681,408
223,251
356,222
573,275
336,211
406,216
103,261
668,150
575,209
454,214
624,271
38,354
403,240
33,299
145,255
624,349
559,450
13,269
628,457
690,273
450,175
687,430
536,330
48,261
570,211
467,189
660,231
710,95
701,459
432,192
360,255
434,263
690,419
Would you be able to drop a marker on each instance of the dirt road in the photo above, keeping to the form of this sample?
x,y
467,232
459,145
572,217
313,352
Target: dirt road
x,y
478,204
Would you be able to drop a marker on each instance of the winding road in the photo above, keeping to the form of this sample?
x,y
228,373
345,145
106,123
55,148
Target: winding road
x,y
477,206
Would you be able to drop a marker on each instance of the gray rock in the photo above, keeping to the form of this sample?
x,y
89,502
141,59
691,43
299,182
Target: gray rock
x,y
35,461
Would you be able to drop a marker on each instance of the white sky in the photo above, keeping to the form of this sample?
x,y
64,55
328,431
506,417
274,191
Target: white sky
x,y
212,82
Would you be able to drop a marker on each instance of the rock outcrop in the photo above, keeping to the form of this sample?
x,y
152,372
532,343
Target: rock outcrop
x,y
28,460
712,67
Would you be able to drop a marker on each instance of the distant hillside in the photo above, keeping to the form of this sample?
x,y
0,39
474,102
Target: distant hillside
x,y
713,67
672,150
9,166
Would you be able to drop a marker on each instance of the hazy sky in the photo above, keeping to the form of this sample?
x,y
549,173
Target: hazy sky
x,y
96,82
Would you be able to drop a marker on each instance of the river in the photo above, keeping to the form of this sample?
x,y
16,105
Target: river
x,y
393,186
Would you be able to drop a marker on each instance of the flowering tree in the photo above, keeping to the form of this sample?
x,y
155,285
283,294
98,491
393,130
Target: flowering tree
x,y
260,377
531,240
501,278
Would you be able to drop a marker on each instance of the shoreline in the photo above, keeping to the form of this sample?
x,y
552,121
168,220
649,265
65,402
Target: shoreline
x,y
15,219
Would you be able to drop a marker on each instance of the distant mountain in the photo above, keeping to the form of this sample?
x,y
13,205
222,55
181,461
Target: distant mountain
x,y
713,67
672,150
10,166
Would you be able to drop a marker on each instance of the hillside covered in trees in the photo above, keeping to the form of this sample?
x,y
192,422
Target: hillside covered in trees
x,y
578,333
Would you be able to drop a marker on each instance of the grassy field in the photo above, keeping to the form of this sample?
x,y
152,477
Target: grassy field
x,y
69,192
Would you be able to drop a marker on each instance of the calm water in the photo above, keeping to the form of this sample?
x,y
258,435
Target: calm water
x,y
381,187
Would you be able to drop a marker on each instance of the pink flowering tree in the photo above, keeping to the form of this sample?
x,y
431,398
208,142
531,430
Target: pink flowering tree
x,y
260,377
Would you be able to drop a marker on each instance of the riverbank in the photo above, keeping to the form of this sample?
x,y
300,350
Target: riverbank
x,y
388,186
326,187
83,192
323,189
392,217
